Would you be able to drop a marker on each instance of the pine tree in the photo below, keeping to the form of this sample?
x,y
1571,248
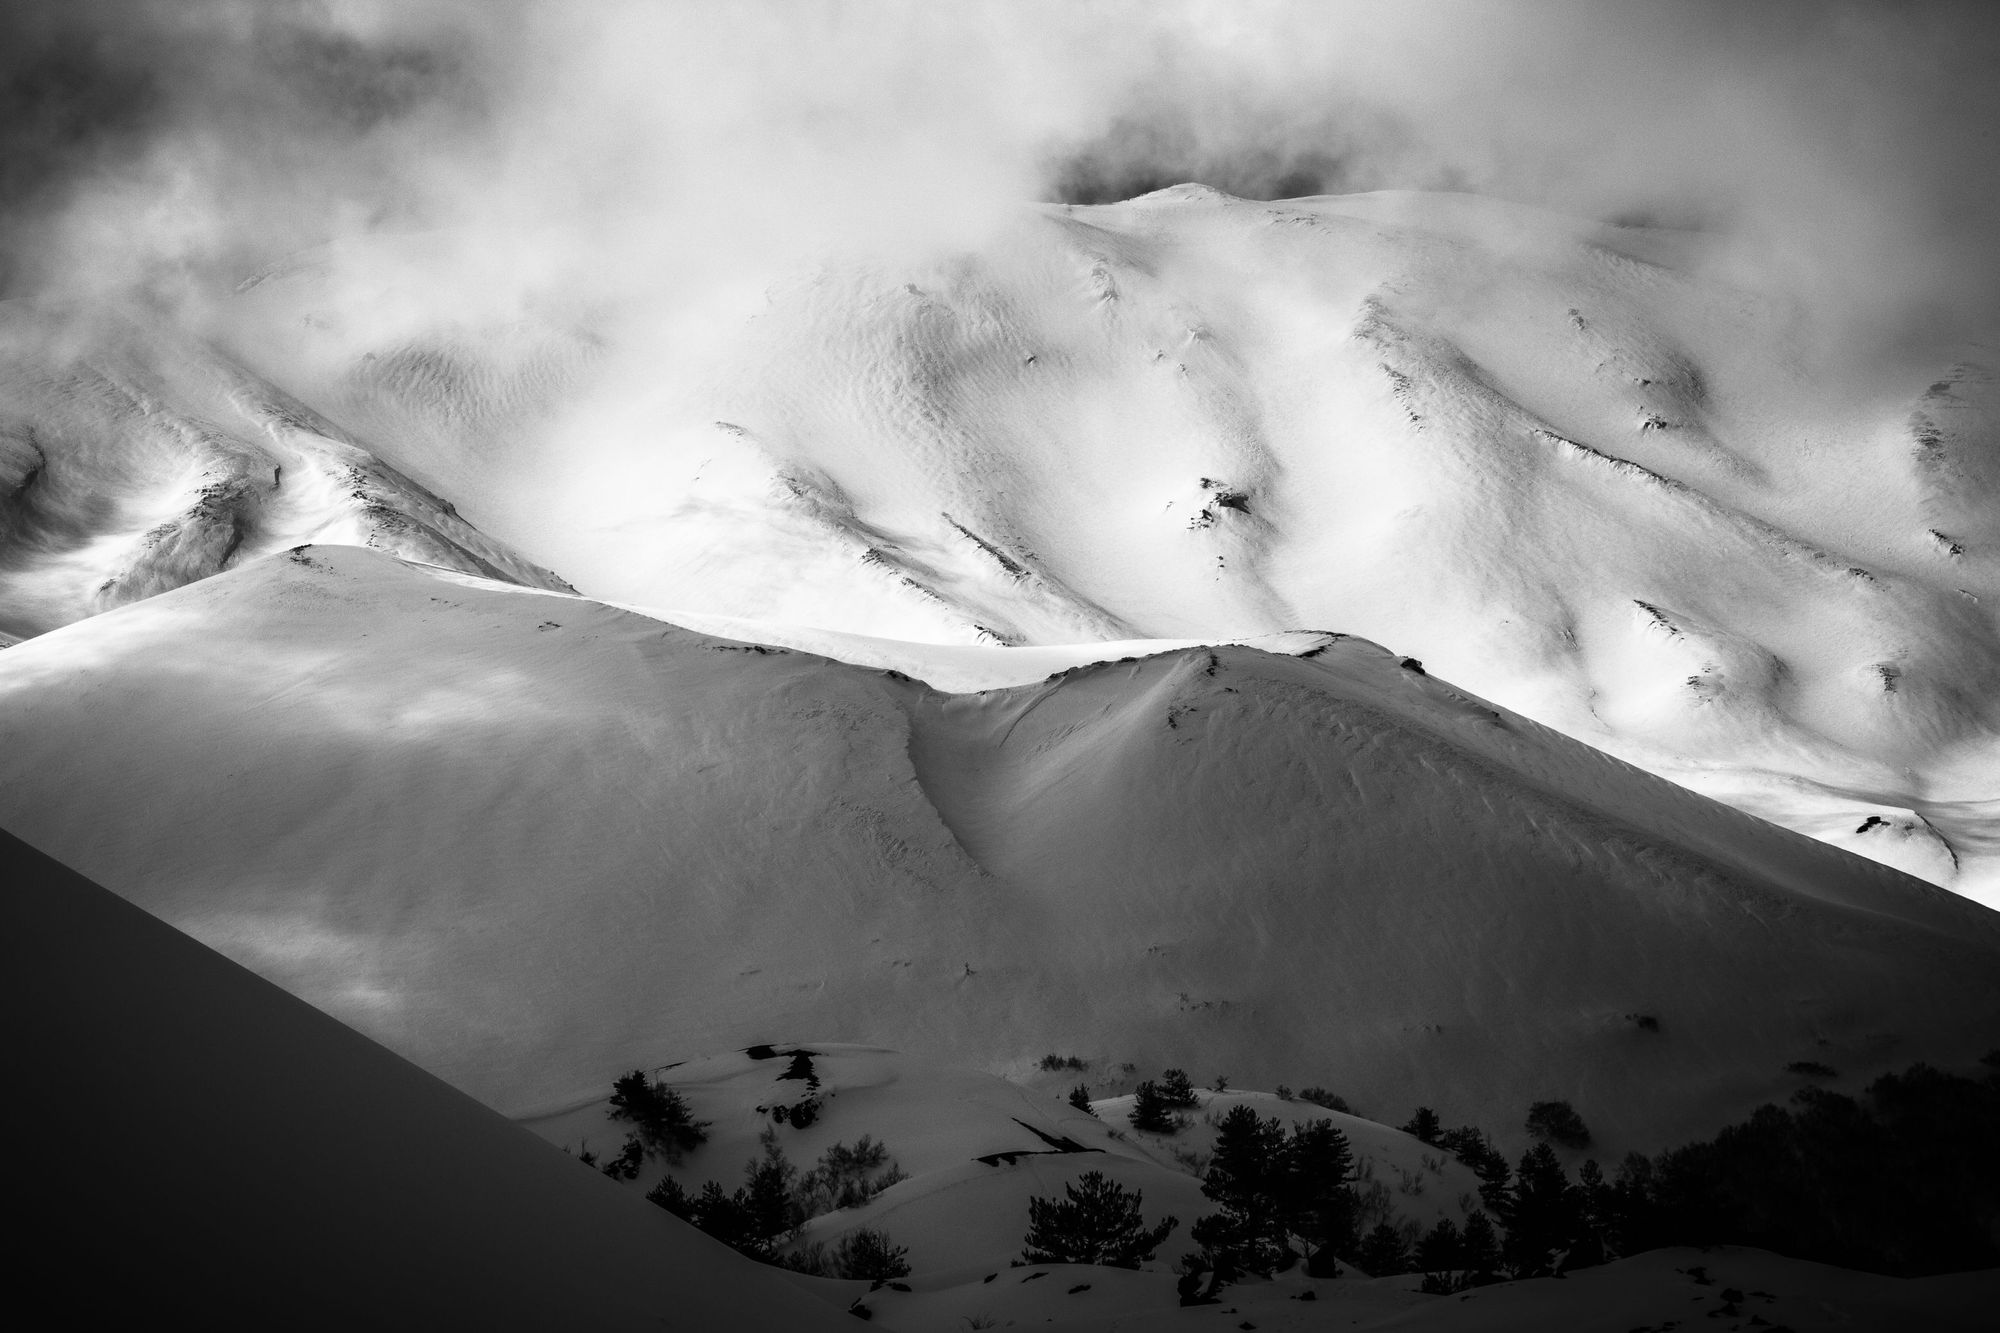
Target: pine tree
x,y
1594,1211
1177,1090
1383,1253
1631,1225
1441,1249
725,1217
1098,1222
1479,1246
1079,1097
1246,1164
1425,1125
1543,1219
1150,1112
1315,1201
768,1203
1246,1175
1231,1246
867,1255
669,1195
1496,1188
1470,1145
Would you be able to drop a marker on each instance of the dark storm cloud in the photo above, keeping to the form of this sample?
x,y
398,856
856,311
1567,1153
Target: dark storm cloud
x,y
145,145
71,102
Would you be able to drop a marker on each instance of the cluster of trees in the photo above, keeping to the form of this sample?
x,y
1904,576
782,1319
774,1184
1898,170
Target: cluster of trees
x,y
1274,1190
803,1112
1318,1096
776,1199
1156,1107
1534,1220
1558,1122
1903,1180
1450,1257
1097,1222
663,1123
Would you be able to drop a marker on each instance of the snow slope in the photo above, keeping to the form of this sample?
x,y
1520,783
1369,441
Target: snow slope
x,y
133,459
195,1148
1568,465
1724,1288
529,840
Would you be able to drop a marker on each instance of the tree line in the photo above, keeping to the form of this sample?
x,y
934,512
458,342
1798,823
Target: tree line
x,y
1902,1180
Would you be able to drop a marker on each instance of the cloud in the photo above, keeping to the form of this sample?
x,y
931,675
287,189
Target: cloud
x,y
1847,153
149,148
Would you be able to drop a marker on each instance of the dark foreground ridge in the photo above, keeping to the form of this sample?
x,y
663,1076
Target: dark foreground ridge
x,y
256,1164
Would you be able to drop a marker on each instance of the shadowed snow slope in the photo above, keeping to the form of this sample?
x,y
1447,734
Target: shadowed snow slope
x,y
527,840
1562,463
1661,1289
276,1170
133,460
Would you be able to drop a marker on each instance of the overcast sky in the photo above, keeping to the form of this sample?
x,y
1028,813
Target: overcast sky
x,y
1848,150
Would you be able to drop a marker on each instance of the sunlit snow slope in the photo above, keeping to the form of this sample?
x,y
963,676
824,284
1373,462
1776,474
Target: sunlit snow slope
x,y
526,839
133,459
1561,463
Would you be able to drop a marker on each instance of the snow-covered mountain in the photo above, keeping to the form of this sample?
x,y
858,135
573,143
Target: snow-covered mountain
x,y
1571,467
525,838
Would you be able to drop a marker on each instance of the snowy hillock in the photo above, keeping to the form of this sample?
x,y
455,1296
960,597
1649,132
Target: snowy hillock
x,y
1572,467
1400,1180
525,839
967,1151
133,459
